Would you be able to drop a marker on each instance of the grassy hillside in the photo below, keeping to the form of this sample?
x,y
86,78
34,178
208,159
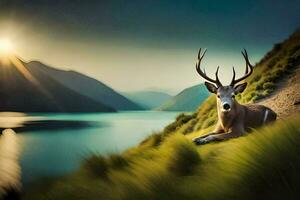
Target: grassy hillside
x,y
267,76
187,100
262,165
167,165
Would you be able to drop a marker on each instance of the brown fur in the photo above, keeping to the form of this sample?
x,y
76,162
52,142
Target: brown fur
x,y
234,119
238,121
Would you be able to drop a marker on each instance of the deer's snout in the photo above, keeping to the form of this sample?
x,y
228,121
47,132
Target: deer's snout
x,y
226,106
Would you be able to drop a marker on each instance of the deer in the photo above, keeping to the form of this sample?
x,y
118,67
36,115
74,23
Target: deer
x,y
234,119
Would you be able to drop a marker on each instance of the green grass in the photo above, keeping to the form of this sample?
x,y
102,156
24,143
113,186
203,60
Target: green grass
x,y
96,165
180,120
183,158
262,165
117,161
153,140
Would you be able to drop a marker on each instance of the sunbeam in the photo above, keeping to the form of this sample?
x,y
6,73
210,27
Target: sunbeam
x,y
24,71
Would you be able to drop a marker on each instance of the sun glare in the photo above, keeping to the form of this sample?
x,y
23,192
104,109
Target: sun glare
x,y
6,46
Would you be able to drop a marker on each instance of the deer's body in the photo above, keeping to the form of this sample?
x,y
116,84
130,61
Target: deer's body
x,y
234,119
242,119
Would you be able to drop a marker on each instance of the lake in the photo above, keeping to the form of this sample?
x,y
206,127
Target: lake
x,y
48,145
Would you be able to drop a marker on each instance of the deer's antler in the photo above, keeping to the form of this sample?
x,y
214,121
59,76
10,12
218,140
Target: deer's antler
x,y
203,74
247,72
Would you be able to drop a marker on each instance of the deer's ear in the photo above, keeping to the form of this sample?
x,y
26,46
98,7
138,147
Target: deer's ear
x,y
211,87
240,88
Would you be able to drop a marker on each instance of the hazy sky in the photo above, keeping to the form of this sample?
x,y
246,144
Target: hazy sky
x,y
136,45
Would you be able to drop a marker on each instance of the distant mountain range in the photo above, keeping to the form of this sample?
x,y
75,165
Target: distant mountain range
x,y
87,86
148,99
35,87
187,100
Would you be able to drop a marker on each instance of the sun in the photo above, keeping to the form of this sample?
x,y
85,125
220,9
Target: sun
x,y
6,46
6,51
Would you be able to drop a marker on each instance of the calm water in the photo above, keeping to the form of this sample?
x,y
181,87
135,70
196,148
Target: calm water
x,y
55,144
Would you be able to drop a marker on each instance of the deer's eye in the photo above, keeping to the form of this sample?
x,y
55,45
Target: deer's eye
x,y
233,96
218,96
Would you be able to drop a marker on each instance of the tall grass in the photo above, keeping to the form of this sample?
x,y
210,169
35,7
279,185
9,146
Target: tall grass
x,y
262,165
96,165
183,157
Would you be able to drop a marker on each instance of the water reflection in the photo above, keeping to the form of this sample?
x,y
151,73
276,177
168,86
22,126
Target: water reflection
x,y
9,162
12,122
20,122
15,119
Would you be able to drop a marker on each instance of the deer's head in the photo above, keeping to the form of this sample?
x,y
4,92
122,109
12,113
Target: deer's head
x,y
225,94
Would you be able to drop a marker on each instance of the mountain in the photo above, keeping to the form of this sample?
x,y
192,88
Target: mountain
x,y
148,99
187,100
86,86
26,89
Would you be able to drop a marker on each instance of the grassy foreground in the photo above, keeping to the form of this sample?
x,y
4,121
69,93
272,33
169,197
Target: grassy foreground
x,y
262,165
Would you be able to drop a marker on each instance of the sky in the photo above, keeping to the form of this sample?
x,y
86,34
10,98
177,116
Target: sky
x,y
146,45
